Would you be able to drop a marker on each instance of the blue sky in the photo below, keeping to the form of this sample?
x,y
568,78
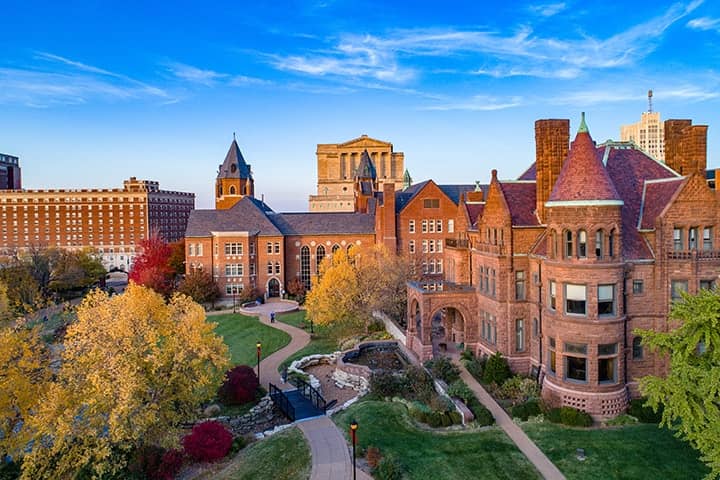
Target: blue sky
x,y
94,92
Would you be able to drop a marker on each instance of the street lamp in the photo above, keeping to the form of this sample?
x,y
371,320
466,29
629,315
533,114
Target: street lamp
x,y
353,429
258,345
311,326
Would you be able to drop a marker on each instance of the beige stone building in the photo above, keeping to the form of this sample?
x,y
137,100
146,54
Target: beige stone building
x,y
337,167
648,134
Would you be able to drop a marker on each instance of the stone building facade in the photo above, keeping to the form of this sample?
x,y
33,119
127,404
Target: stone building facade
x,y
112,221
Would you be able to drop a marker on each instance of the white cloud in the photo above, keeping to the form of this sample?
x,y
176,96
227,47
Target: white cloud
x,y
194,74
479,103
705,23
548,9
686,93
243,81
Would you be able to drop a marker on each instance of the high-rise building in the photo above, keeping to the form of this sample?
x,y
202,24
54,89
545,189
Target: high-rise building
x,y
339,165
648,133
9,172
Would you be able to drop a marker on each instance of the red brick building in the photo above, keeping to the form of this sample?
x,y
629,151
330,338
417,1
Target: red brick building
x,y
563,264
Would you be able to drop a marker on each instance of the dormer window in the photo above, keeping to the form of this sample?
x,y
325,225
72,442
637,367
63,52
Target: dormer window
x,y
233,168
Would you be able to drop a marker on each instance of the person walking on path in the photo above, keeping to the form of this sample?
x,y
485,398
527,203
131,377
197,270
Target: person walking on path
x,y
272,317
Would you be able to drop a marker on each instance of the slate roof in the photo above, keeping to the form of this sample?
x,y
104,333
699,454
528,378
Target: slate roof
x,y
455,191
366,169
234,158
247,215
403,197
474,211
325,223
530,173
583,176
520,197
656,196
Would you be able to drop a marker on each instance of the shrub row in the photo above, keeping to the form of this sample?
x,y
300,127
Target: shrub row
x,y
525,410
569,416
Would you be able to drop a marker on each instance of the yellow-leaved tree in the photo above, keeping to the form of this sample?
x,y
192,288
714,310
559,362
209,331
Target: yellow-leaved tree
x,y
335,293
133,368
23,378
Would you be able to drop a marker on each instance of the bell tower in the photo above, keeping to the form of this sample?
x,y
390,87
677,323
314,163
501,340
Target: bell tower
x,y
234,180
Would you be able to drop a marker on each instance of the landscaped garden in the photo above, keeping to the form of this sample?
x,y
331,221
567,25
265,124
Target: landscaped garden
x,y
421,453
241,333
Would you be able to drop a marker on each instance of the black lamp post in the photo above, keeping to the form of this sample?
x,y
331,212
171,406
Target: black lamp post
x,y
258,345
311,326
353,429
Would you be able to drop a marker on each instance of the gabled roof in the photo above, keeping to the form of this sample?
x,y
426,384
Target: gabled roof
x,y
657,194
456,191
234,165
247,215
520,198
474,211
366,169
583,177
325,223
530,173
364,140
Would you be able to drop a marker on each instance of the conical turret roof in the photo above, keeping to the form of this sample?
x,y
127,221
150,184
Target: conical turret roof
x,y
366,169
234,165
583,178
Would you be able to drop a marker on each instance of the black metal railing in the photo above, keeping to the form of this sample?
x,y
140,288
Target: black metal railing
x,y
311,393
281,400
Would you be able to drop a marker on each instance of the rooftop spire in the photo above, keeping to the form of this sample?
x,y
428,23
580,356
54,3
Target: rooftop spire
x,y
583,126
407,180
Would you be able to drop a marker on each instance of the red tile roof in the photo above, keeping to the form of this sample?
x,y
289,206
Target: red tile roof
x,y
520,197
583,175
656,196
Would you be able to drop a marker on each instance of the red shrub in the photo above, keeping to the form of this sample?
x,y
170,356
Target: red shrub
x,y
155,463
207,441
239,387
170,465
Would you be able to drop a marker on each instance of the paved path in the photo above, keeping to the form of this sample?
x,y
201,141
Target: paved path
x,y
546,468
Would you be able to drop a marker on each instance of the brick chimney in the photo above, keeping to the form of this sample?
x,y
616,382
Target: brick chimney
x,y
685,146
552,140
389,235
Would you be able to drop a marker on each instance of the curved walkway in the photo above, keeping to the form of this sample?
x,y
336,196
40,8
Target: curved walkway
x,y
330,454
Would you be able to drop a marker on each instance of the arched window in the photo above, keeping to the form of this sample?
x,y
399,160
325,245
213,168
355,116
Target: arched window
x,y
611,243
305,266
582,244
319,256
349,247
599,241
335,248
637,348
568,244
232,189
219,190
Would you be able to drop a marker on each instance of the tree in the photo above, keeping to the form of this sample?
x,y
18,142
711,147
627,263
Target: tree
x,y
176,261
690,393
200,286
76,270
133,367
23,291
24,374
151,267
296,288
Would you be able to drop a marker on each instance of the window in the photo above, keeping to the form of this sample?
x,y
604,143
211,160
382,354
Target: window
x,y
599,239
552,367
234,270
424,246
438,226
335,248
535,328
575,296
451,226
576,367
553,247
611,244
251,246
424,224
431,203
607,363
606,299
582,244
519,285
411,246
692,238
277,268
432,246
269,268
269,247
319,256
431,225
305,266
553,295
439,246
520,335
568,244
191,249
233,289
252,268
637,348
277,247
439,266
233,248
677,239
676,287
707,284
638,287
198,249
411,226
707,238
492,282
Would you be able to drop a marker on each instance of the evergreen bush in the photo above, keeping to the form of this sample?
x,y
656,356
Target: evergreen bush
x,y
496,370
570,416
523,411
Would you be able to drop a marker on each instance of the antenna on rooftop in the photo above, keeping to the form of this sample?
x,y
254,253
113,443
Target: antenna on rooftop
x,y
233,136
650,101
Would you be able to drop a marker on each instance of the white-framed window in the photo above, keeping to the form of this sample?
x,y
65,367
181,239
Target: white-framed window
x,y
606,299
233,289
411,226
269,268
424,225
411,246
520,335
424,246
191,249
451,226
234,270
431,244
277,247
439,268
439,246
277,268
233,248
575,299
438,226
269,247
431,226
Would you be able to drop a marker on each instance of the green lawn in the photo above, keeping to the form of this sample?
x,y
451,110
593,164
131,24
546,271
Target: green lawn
x,y
284,456
630,452
241,333
487,454
319,343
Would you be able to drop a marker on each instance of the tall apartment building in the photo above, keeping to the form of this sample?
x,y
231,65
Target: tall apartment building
x,y
648,133
112,221
338,166
9,172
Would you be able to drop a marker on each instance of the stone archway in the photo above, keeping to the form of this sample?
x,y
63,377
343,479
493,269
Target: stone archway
x,y
273,288
448,330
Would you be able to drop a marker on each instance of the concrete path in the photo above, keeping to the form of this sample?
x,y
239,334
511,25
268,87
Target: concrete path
x,y
546,468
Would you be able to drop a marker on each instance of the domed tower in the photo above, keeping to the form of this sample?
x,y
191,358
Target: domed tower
x,y
583,277
234,180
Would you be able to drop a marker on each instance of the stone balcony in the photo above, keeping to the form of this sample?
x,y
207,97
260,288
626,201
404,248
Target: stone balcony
x,y
698,255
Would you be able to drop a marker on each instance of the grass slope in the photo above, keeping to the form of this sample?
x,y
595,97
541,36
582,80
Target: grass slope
x,y
486,454
629,452
241,333
284,456
319,343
